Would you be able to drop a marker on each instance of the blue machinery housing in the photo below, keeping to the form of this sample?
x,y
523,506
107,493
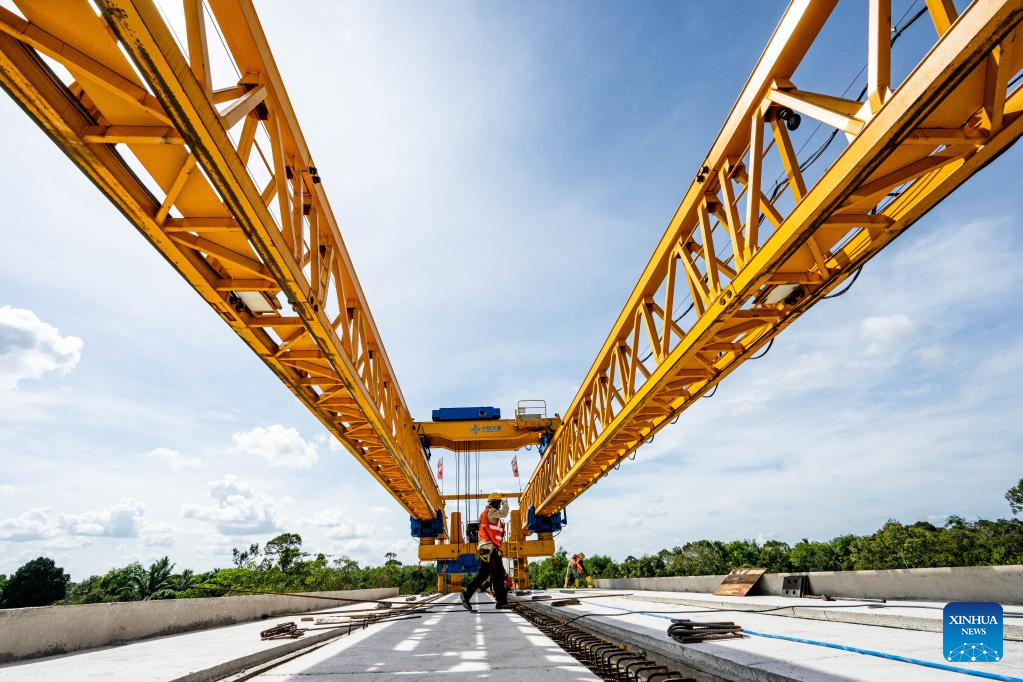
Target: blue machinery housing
x,y
462,414
535,523
465,563
428,529
470,563
546,524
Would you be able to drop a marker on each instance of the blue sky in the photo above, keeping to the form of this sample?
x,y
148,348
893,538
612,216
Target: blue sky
x,y
502,174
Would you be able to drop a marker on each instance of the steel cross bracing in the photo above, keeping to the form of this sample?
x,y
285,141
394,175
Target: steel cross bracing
x,y
221,182
751,261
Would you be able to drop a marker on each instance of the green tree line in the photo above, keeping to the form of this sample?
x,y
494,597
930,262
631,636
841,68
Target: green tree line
x,y
895,545
279,565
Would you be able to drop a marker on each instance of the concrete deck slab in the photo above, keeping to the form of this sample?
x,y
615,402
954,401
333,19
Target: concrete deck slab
x,y
160,658
910,615
764,659
446,644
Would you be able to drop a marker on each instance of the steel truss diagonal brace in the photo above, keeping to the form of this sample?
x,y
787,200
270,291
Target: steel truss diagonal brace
x,y
749,273
268,258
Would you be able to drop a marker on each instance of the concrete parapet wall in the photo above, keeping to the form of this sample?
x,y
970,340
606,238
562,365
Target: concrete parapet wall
x,y
688,583
1002,584
49,630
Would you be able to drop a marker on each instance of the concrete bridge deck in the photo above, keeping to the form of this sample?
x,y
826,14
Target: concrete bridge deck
x,y
444,642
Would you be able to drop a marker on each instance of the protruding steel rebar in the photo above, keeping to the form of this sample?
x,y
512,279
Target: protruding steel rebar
x,y
611,661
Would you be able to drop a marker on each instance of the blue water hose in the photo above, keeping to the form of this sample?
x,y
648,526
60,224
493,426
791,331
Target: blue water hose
x,y
855,650
891,657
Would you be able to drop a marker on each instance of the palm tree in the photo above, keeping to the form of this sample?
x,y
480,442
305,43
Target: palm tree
x,y
154,583
183,581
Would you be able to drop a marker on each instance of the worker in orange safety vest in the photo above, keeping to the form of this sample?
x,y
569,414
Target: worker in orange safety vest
x,y
489,548
574,571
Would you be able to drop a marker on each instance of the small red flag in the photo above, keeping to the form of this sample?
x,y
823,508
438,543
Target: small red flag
x,y
515,466
440,468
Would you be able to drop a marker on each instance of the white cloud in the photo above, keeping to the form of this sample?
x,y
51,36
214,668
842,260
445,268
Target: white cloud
x,y
71,531
932,356
70,542
121,520
35,524
30,348
827,361
330,442
174,459
158,534
813,370
887,334
213,545
638,517
240,509
278,445
367,551
7,489
340,526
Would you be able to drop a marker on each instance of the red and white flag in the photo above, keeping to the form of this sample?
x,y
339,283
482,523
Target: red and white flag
x,y
440,468
515,466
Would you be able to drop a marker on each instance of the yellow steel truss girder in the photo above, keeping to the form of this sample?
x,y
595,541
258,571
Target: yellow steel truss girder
x,y
486,435
947,119
214,227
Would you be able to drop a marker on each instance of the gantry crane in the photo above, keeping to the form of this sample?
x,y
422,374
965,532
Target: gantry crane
x,y
219,179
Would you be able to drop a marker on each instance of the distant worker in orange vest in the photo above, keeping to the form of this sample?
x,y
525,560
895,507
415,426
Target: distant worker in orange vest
x,y
576,571
489,549
572,572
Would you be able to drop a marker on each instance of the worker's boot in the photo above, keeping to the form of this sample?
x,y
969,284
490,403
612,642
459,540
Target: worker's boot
x,y
465,600
504,606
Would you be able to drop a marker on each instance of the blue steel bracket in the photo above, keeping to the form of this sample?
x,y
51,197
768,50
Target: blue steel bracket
x,y
428,529
546,524
465,563
545,440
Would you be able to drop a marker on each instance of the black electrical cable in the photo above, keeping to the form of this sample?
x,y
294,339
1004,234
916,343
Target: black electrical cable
x,y
712,391
763,352
847,287
898,29
816,155
897,32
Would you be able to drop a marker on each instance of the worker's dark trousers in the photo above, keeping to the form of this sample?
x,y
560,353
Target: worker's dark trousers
x,y
494,569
